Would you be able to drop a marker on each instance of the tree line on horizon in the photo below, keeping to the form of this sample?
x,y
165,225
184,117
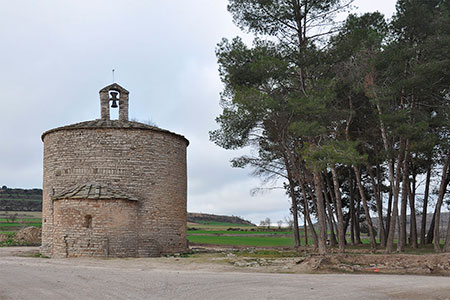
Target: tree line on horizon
x,y
352,115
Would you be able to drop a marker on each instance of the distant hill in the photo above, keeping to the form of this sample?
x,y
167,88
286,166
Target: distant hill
x,y
20,199
199,218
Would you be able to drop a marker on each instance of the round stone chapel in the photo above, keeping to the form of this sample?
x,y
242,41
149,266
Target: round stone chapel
x,y
113,188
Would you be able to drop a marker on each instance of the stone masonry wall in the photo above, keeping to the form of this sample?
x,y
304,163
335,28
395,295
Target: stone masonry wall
x,y
150,165
95,228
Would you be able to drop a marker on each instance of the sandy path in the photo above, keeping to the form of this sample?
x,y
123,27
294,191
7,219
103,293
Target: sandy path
x,y
163,278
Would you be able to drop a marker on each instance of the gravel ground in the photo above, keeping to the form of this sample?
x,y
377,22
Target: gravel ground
x,y
23,277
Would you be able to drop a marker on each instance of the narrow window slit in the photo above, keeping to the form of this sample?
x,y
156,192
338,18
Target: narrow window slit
x,y
88,221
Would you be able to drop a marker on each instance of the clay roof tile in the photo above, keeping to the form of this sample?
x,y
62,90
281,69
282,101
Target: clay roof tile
x,y
92,191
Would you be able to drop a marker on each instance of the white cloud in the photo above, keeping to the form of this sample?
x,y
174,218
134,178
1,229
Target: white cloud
x,y
234,198
386,7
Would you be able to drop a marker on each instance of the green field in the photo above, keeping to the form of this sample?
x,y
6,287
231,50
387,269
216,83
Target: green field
x,y
209,233
216,233
204,232
20,224
10,224
242,240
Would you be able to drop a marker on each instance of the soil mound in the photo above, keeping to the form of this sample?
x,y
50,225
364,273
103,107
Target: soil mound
x,y
429,264
28,236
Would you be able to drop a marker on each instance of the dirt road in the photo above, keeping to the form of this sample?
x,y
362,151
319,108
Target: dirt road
x,y
171,278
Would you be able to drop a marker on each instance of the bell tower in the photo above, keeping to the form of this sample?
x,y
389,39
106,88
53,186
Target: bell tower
x,y
114,93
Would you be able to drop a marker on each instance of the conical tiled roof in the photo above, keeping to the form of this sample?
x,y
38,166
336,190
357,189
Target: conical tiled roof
x,y
92,191
111,124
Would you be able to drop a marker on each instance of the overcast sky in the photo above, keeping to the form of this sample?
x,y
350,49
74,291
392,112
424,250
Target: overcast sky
x,y
56,55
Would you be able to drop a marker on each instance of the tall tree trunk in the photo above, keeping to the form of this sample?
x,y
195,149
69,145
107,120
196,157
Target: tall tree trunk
x,y
332,195
346,223
347,136
430,234
308,217
294,178
402,221
329,216
330,226
338,207
292,169
352,211
376,189
388,214
383,235
402,225
394,181
305,227
357,218
395,186
322,237
294,210
423,226
389,208
373,241
412,206
333,202
442,188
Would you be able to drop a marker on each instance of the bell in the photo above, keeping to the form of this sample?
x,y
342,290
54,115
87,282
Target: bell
x,y
114,103
114,99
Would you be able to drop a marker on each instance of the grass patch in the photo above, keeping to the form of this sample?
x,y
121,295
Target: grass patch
x,y
9,241
242,240
26,224
33,224
10,225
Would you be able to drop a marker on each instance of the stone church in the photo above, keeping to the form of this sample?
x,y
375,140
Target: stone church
x,y
113,188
